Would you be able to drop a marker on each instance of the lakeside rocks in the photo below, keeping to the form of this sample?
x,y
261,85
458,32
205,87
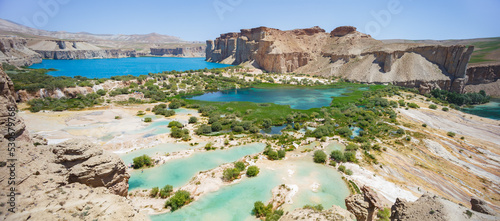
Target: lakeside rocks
x,y
344,53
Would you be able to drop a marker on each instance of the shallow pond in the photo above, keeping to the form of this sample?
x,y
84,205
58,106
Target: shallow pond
x,y
178,172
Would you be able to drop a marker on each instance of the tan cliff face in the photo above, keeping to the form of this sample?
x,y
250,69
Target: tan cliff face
x,y
345,53
14,51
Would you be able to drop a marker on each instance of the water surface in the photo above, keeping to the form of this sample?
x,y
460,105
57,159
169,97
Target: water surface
x,y
489,110
297,97
105,68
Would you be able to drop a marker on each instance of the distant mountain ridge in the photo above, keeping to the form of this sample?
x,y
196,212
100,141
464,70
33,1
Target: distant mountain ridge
x,y
12,28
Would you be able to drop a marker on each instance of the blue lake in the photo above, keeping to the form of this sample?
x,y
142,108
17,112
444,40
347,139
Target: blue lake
x,y
297,97
105,68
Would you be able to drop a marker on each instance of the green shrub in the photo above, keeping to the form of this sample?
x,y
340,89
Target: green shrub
x,y
238,129
148,119
445,109
424,125
230,174
350,156
433,106
281,154
348,172
217,126
239,165
179,199
252,171
204,129
413,105
175,124
337,155
351,147
208,146
401,103
342,168
153,192
193,120
142,161
319,156
450,134
166,191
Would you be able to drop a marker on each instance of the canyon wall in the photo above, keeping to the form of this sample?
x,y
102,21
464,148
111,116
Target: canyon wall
x,y
179,52
345,53
15,52
484,77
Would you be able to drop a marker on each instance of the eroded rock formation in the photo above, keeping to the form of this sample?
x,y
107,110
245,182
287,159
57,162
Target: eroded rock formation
x,y
89,165
11,126
179,52
345,53
364,206
15,52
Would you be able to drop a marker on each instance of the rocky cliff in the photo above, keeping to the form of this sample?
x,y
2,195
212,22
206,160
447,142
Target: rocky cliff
x,y
72,180
484,77
67,50
179,52
345,53
15,52
10,126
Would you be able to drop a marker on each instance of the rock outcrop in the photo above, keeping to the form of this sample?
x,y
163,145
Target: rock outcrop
x,y
483,77
15,52
429,207
11,125
336,213
179,52
345,53
89,165
364,206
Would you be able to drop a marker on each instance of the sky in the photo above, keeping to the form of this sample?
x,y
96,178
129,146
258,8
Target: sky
x,y
199,20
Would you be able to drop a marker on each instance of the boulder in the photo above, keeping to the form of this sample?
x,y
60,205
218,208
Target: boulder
x,y
481,206
89,165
